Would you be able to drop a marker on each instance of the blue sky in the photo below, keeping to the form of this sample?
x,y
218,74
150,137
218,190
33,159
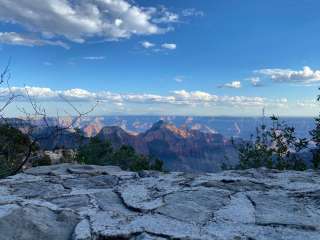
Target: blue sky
x,y
186,57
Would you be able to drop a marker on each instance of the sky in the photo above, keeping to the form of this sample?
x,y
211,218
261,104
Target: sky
x,y
155,57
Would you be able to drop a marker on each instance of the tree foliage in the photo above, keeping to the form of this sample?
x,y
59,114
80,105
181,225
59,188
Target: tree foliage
x,y
273,147
13,146
98,152
315,138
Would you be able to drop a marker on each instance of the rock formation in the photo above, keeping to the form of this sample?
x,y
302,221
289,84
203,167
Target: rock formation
x,y
181,149
82,202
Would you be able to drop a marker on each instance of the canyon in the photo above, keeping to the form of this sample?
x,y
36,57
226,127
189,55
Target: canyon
x,y
181,149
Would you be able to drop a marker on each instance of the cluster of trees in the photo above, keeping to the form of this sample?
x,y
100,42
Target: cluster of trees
x,y
15,148
274,147
13,145
99,152
278,147
315,138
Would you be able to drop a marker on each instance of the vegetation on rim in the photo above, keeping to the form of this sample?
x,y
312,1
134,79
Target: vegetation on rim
x,y
278,147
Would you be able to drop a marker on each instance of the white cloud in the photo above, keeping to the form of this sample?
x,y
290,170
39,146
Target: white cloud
x,y
233,84
256,82
245,101
77,93
156,49
165,16
170,46
192,12
13,38
147,44
80,20
278,75
94,58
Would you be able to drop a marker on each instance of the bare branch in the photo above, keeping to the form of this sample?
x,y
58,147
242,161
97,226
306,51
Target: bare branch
x,y
5,73
5,77
38,112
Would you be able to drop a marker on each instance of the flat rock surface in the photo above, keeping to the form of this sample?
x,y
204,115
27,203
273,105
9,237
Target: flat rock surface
x,y
80,202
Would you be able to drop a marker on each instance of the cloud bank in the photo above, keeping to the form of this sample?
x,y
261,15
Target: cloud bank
x,y
78,21
13,38
178,97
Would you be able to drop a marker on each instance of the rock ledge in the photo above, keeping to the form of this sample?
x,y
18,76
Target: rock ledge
x,y
92,202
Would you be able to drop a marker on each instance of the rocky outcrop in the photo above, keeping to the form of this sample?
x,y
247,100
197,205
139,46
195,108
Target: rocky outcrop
x,y
90,202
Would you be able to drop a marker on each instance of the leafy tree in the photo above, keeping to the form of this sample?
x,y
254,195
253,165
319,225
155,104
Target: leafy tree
x,y
256,153
315,137
100,152
97,152
286,146
127,158
13,146
276,147
157,165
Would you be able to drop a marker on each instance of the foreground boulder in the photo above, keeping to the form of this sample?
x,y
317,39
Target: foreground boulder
x,y
90,202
